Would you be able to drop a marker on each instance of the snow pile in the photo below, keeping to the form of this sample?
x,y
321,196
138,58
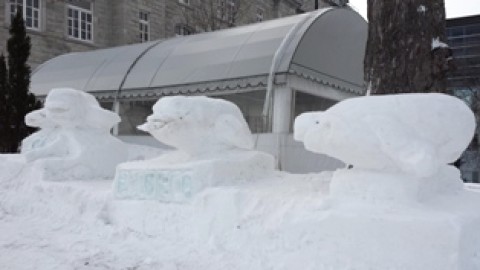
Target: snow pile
x,y
214,147
78,225
74,141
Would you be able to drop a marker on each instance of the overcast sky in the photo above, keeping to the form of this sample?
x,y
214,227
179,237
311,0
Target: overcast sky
x,y
455,8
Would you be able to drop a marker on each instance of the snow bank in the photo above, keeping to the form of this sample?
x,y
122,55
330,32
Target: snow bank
x,y
214,147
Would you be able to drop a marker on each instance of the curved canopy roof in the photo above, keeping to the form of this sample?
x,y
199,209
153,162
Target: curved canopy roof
x,y
326,46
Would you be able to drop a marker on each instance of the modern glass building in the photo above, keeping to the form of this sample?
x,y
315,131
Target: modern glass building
x,y
464,39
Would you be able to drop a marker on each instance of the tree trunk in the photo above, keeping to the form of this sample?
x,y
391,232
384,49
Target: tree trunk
x,y
401,54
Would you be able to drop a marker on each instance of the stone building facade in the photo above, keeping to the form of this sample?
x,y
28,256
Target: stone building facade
x,y
61,26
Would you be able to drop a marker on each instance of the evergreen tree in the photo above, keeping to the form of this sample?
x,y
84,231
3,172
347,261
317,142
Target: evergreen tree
x,y
406,50
3,104
20,100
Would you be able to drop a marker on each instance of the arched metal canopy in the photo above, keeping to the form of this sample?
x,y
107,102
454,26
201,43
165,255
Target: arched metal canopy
x,y
327,47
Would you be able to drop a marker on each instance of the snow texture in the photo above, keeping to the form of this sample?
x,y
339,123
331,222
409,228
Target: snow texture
x,y
214,147
280,222
422,9
74,141
436,43
414,134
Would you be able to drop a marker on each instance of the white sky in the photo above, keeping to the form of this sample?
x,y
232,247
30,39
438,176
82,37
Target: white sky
x,y
454,8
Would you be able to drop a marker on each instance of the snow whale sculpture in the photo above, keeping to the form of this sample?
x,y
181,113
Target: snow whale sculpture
x,y
199,126
401,189
411,133
391,138
214,146
74,140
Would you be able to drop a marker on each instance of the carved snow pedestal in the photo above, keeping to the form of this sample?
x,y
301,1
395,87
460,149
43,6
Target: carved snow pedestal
x,y
214,149
412,207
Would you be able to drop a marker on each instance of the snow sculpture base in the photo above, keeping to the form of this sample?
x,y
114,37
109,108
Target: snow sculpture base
x,y
418,223
374,187
411,239
175,178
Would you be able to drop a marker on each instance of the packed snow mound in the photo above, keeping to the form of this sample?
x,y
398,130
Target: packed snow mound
x,y
410,133
214,148
74,141
199,126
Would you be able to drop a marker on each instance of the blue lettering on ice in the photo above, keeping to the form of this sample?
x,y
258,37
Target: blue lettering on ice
x,y
165,185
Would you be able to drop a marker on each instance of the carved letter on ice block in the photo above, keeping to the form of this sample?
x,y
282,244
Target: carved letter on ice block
x,y
164,185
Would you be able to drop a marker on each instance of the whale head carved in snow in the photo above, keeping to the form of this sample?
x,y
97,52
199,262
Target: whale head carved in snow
x,y
410,133
67,107
198,125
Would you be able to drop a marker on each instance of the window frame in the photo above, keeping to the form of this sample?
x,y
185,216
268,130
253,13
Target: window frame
x,y
185,28
38,10
80,10
226,10
144,23
260,14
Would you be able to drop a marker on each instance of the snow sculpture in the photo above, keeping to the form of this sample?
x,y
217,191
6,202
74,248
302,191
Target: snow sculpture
x,y
403,136
414,134
74,141
214,147
401,188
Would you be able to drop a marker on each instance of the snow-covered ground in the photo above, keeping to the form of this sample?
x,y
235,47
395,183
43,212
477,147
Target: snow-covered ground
x,y
281,222
400,207
77,225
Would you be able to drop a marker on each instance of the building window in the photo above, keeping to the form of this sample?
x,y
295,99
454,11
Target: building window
x,y
80,23
144,25
226,10
259,15
30,11
183,30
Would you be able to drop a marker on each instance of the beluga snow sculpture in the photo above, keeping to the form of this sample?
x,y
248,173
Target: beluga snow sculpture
x,y
410,135
74,140
401,189
214,146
